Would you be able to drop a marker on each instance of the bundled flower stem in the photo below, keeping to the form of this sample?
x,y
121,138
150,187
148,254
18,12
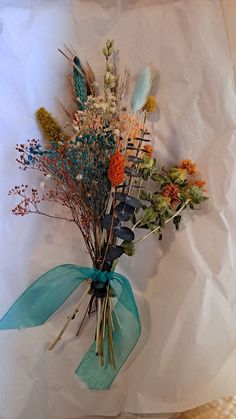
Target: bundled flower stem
x,y
68,320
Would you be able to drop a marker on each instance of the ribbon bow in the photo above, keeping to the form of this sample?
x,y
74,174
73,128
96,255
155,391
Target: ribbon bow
x,y
101,276
41,299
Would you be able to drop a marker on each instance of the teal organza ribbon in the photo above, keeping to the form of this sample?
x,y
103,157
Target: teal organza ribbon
x,y
40,301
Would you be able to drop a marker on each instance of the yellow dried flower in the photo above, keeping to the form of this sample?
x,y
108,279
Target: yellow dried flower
x,y
48,125
150,104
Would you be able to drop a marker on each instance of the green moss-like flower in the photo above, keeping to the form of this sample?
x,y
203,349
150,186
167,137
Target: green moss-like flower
x,y
195,194
177,174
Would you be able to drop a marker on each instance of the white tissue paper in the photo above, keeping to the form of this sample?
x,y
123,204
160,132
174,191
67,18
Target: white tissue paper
x,y
185,286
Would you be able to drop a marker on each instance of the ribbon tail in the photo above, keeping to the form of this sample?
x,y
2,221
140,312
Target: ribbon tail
x,y
41,299
125,338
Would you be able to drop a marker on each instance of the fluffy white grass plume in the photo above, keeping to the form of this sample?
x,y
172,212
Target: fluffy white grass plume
x,y
142,89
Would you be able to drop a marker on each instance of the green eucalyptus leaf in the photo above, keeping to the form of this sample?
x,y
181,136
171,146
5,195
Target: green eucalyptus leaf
x,y
130,200
133,202
124,233
123,211
128,248
109,221
114,252
121,196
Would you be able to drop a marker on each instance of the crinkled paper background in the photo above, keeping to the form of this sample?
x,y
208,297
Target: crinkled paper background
x,y
185,285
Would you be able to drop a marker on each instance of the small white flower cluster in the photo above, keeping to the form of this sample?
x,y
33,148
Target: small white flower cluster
x,y
98,110
105,105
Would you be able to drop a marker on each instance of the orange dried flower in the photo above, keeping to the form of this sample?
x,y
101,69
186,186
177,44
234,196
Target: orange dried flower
x,y
189,166
116,169
149,149
172,191
200,183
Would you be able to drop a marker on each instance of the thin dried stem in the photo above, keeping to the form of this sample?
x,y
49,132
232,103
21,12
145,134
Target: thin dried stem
x,y
98,324
111,352
69,50
71,61
84,317
68,320
110,233
51,216
104,313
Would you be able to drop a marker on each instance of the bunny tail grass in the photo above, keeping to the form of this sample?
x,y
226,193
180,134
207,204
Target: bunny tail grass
x,y
141,90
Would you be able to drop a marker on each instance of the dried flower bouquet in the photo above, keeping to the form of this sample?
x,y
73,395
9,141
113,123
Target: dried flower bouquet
x,y
102,170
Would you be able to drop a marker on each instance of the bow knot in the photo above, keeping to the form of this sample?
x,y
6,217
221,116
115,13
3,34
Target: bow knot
x,y
101,276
